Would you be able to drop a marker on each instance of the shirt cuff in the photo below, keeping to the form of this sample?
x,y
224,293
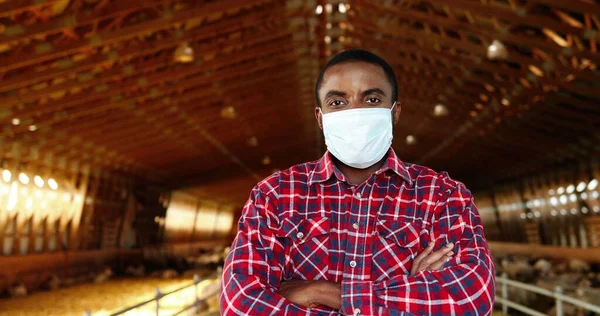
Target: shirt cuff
x,y
357,298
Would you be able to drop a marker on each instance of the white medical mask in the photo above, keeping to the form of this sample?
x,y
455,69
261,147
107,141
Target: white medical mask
x,y
359,137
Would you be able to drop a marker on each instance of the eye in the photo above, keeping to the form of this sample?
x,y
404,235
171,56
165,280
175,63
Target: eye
x,y
336,103
373,100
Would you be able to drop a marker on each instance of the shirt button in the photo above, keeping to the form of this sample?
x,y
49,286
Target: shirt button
x,y
300,235
352,263
356,312
358,195
355,225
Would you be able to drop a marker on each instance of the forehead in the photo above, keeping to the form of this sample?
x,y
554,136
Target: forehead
x,y
355,75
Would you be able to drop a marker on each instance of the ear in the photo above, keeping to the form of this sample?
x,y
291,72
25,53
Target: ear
x,y
397,110
319,117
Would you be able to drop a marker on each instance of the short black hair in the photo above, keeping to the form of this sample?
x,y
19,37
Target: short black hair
x,y
359,55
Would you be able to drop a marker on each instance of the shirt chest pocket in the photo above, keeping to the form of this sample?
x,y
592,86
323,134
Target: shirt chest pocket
x,y
306,242
396,245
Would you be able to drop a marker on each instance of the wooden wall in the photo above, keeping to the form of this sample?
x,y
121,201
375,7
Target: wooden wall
x,y
81,221
559,209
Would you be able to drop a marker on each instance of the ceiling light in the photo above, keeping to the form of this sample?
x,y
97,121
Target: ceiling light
x,y
497,50
52,184
13,197
184,54
39,182
228,112
571,189
23,178
6,175
573,197
16,121
560,190
266,160
581,186
593,184
32,128
319,9
440,110
411,140
327,39
563,199
342,8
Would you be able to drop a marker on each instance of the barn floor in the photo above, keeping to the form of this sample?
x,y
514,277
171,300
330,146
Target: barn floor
x,y
103,299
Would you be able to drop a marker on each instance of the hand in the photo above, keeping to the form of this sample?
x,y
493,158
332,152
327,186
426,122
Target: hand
x,y
312,293
432,260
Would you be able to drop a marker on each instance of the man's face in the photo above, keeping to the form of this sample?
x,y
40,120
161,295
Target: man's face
x,y
353,85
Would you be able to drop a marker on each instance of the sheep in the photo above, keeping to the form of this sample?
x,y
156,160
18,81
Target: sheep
x,y
103,276
18,289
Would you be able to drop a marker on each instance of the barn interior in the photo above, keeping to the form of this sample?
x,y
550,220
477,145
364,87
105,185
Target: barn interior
x,y
133,131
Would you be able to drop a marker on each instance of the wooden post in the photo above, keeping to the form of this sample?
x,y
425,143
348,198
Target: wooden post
x,y
78,204
94,184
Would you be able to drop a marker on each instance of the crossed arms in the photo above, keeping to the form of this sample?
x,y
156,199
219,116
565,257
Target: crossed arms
x,y
253,274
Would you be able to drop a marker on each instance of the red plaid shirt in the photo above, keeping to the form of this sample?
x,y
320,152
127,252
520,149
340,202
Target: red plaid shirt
x,y
309,223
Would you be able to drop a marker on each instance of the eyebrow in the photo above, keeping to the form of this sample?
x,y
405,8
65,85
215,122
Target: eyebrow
x,y
335,93
343,94
374,91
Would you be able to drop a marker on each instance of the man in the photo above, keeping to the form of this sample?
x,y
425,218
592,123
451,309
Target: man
x,y
355,232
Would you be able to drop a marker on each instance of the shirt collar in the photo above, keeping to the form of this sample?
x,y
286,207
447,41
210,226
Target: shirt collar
x,y
325,168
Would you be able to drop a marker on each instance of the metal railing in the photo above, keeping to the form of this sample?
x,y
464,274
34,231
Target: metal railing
x,y
557,294
153,305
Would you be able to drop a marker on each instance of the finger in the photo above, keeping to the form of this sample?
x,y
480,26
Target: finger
x,y
425,253
420,257
435,256
438,265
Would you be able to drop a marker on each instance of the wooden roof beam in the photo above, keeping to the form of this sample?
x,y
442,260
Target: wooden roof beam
x,y
508,14
192,75
155,108
57,25
204,10
583,7
408,34
116,120
481,31
208,93
115,74
211,31
11,8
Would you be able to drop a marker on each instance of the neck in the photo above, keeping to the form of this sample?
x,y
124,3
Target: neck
x,y
357,176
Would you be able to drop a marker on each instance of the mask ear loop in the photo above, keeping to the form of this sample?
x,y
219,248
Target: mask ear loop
x,y
393,105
